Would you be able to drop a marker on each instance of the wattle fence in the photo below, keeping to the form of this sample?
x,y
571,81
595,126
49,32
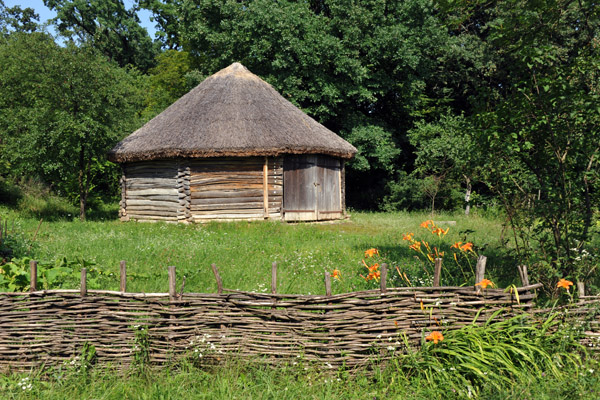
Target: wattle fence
x,y
51,327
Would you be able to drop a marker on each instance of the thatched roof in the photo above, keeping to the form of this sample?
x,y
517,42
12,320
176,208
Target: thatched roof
x,y
231,113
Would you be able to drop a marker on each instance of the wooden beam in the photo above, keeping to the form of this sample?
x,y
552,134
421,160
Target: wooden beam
x,y
266,187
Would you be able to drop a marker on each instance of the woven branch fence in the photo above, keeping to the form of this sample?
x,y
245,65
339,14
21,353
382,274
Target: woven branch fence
x,y
51,327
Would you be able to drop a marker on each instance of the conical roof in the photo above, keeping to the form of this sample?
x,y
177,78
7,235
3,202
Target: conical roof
x,y
231,113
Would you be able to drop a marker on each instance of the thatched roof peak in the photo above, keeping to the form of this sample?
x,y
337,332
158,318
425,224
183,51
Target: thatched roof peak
x,y
231,113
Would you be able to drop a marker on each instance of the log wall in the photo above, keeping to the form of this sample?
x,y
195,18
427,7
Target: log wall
x,y
234,188
154,191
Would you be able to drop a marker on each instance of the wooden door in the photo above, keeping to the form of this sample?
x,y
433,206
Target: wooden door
x,y
311,188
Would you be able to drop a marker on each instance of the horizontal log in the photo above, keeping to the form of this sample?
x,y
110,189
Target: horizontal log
x,y
230,200
150,192
227,216
173,199
174,208
151,217
206,194
161,213
231,206
152,203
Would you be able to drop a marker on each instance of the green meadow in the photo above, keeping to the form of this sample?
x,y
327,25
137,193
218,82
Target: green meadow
x,y
515,359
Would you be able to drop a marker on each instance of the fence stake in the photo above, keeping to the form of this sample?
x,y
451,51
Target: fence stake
x,y
383,280
327,284
123,270
83,282
480,269
437,271
581,290
274,278
172,288
218,278
523,274
32,275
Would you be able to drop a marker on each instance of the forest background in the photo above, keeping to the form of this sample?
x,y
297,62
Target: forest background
x,y
451,104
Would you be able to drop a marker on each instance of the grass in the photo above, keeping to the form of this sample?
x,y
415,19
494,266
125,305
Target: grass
x,y
244,251
509,360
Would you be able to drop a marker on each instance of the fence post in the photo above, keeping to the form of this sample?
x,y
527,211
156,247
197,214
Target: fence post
x,y
218,278
83,282
480,271
274,278
32,275
327,284
123,274
383,281
437,271
581,290
172,283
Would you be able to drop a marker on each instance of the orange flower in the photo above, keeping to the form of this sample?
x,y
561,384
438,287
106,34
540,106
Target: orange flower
x,y
467,247
563,283
416,246
435,336
408,236
456,245
485,283
336,274
371,252
425,224
440,231
373,267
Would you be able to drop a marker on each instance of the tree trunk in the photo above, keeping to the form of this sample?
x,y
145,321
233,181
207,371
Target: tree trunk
x,y
468,196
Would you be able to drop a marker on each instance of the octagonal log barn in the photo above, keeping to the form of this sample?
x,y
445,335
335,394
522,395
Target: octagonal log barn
x,y
232,148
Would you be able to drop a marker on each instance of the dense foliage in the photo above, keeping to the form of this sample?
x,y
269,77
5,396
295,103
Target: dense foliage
x,y
450,104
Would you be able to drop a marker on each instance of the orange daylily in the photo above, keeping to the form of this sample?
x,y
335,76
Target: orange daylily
x,y
440,231
435,336
371,252
336,274
563,283
485,283
456,245
425,224
416,246
408,236
467,247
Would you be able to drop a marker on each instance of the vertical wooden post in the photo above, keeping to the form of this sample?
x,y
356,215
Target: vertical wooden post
x,y
327,284
172,283
32,275
83,282
581,290
437,272
266,187
218,278
274,278
480,269
383,280
123,274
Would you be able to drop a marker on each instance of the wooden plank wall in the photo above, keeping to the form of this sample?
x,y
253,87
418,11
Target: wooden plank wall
x,y
153,191
233,188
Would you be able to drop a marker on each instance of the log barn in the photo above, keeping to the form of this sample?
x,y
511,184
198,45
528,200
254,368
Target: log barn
x,y
232,148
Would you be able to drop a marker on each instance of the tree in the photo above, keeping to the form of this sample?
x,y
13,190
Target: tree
x,y
62,109
17,19
538,126
348,64
107,26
